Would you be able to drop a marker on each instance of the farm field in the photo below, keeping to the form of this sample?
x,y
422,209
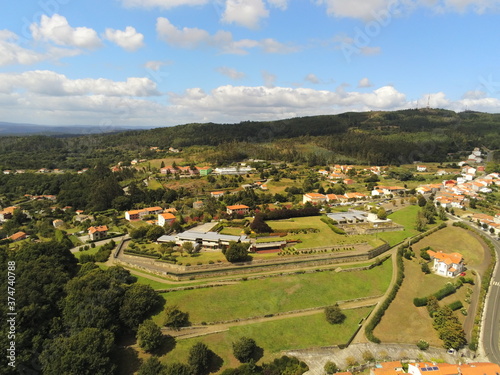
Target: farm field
x,y
278,294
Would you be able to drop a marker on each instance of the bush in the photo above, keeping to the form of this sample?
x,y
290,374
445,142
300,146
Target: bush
x,y
244,349
334,314
330,367
418,302
422,344
455,305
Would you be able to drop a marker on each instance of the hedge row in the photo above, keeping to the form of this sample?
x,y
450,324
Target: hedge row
x,y
455,305
331,225
440,294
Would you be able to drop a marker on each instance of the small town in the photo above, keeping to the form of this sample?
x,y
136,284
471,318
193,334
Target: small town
x,y
342,252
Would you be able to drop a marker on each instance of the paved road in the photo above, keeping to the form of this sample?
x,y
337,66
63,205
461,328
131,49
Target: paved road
x,y
491,315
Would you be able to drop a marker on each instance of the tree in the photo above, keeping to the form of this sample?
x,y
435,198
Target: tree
x,y
330,367
154,232
420,222
236,252
138,302
199,358
421,200
149,336
152,366
244,349
86,352
425,268
175,318
258,224
177,368
381,213
188,247
334,314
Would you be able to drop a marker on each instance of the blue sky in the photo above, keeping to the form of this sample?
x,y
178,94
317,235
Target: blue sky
x,y
167,62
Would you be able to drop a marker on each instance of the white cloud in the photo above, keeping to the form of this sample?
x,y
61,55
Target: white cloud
x,y
474,94
223,41
364,82
235,103
48,83
280,4
11,53
230,72
156,65
247,13
56,29
312,78
269,79
129,39
384,10
162,4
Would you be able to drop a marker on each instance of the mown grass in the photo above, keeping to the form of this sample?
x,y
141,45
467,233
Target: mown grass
x,y
279,294
274,336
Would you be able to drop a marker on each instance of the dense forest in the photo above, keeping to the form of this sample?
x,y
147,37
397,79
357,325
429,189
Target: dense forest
x,y
397,137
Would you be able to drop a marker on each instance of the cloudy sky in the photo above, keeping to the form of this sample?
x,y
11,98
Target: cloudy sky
x,y
168,62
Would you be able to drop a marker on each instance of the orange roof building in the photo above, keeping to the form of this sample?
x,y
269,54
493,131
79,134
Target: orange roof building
x,y
447,265
18,236
240,209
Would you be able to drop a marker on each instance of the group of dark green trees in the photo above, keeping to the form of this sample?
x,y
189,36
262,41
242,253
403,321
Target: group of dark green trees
x,y
69,317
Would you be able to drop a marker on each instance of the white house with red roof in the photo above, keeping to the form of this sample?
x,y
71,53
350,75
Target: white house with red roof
x,y
314,198
447,265
166,218
239,209
96,233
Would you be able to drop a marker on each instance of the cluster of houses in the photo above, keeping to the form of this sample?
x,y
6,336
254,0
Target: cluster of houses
x,y
455,193
204,171
428,368
340,172
317,198
487,221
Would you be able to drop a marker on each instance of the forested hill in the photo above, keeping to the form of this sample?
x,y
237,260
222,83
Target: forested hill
x,y
365,137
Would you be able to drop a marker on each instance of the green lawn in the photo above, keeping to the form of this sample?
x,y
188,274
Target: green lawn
x,y
405,217
324,237
279,294
274,336
90,251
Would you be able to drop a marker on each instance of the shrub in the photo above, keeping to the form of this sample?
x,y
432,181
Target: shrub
x,y
455,305
334,314
418,302
422,344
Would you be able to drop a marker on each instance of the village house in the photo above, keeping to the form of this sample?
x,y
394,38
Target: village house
x,y
205,171
387,368
166,218
139,214
239,209
58,223
314,198
7,213
447,265
18,236
97,233
421,168
198,205
217,194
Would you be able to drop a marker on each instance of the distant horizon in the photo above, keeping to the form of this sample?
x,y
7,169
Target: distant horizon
x,y
163,63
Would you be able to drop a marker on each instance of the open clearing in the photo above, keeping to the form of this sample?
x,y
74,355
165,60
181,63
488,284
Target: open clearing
x,y
278,294
275,336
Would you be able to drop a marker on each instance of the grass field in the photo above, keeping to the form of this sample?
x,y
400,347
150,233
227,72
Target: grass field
x,y
325,236
90,251
414,323
455,239
278,294
274,336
